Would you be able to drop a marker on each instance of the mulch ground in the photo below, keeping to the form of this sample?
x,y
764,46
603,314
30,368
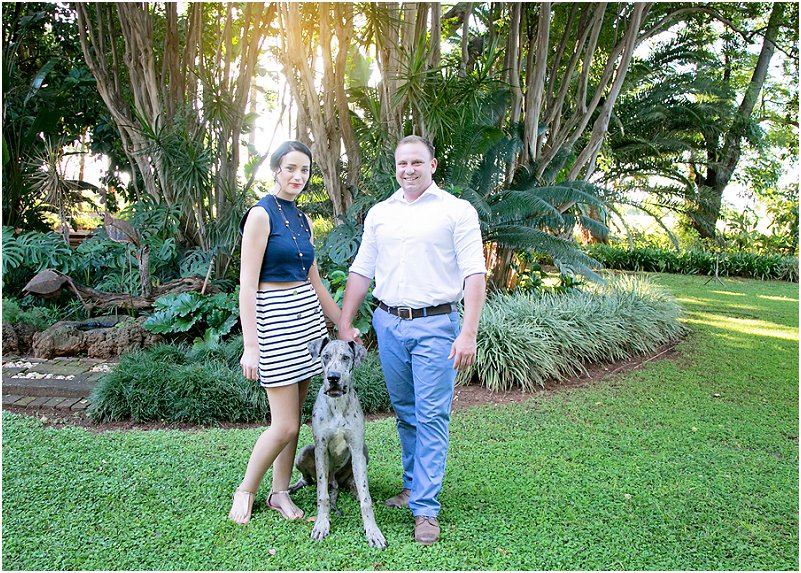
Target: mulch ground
x,y
465,397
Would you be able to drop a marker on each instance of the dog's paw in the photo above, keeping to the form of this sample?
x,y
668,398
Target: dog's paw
x,y
321,529
375,538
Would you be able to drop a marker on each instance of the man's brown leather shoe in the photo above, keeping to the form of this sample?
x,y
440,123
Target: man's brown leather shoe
x,y
400,500
426,530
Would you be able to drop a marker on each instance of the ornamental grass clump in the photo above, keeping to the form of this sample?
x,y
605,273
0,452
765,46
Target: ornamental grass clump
x,y
526,339
165,384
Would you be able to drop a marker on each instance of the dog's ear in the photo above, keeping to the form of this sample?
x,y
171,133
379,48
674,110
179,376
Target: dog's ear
x,y
359,352
316,346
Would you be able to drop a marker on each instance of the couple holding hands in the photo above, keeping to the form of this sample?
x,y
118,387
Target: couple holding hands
x,y
423,247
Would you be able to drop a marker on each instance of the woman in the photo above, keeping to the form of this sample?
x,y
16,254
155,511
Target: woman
x,y
281,305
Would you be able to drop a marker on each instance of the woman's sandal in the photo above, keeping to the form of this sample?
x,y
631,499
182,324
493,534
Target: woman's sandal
x,y
278,508
251,497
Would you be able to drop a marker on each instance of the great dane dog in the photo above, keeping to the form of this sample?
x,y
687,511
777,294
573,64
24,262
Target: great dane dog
x,y
338,457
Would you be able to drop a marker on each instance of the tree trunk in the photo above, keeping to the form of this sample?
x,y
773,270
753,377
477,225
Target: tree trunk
x,y
704,216
535,78
328,118
160,96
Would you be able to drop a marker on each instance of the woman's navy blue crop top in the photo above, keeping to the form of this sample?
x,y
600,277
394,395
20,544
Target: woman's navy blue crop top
x,y
282,262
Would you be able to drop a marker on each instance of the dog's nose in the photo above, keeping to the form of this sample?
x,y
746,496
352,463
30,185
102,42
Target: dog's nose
x,y
334,375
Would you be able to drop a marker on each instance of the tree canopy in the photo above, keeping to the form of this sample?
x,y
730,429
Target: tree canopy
x,y
582,101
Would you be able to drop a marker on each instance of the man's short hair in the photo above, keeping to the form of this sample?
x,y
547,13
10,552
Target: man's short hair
x,y
417,139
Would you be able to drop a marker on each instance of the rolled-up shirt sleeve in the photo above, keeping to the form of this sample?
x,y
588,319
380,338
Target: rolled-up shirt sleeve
x,y
468,244
364,263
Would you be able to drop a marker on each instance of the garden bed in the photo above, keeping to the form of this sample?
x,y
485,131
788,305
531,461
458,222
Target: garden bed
x,y
465,396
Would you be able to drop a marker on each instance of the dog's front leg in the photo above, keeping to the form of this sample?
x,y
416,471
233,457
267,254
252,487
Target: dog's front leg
x,y
322,524
374,536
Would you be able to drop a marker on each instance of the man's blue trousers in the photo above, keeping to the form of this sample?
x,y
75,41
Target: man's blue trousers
x,y
420,379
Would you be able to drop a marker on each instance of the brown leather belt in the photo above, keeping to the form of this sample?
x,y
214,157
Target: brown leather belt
x,y
408,313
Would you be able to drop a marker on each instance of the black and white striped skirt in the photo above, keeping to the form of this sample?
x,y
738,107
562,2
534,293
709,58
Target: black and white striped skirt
x,y
287,320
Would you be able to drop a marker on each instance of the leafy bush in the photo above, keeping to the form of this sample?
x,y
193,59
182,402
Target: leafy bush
x,y
693,262
335,283
40,317
524,339
192,312
203,384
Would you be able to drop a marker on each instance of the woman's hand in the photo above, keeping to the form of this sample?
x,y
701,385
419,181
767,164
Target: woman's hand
x,y
250,363
349,332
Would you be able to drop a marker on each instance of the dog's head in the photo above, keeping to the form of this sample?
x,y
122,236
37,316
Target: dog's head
x,y
339,360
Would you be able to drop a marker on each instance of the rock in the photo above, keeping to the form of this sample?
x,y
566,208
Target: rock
x,y
125,337
10,341
61,339
25,334
71,338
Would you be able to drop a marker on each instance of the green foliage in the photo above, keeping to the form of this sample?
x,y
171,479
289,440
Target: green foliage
x,y
678,117
742,233
335,282
694,262
194,313
203,384
28,252
40,317
49,95
524,340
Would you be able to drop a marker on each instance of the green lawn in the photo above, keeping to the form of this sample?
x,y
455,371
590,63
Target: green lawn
x,y
687,463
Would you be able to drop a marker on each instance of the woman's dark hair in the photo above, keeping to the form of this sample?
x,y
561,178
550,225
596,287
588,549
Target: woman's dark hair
x,y
288,147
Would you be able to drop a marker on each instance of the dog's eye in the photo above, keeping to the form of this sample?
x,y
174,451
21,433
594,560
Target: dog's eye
x,y
347,358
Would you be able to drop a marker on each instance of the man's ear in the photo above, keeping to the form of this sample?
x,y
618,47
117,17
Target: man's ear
x,y
359,352
316,346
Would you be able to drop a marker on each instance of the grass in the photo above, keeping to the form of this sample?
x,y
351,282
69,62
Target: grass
x,y
689,463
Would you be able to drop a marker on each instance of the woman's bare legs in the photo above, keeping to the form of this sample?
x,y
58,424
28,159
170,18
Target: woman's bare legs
x,y
276,445
283,464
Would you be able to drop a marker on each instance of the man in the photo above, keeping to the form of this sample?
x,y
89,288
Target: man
x,y
423,246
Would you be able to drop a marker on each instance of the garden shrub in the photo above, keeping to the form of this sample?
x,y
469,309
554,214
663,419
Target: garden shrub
x,y
203,384
164,383
524,339
40,317
695,262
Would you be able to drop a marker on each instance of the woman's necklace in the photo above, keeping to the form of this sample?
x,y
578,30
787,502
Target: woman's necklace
x,y
291,232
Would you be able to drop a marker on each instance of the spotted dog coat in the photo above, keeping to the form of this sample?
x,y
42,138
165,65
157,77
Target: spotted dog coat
x,y
338,457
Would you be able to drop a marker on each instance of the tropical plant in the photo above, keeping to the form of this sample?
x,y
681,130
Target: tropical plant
x,y
181,105
690,110
696,262
48,97
40,317
28,252
205,316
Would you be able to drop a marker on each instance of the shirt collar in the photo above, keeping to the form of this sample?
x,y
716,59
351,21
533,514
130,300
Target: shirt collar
x,y
433,191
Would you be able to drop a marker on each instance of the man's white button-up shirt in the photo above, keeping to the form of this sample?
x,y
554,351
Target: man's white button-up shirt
x,y
420,252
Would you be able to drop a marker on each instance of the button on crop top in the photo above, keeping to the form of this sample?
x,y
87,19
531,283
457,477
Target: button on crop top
x,y
284,260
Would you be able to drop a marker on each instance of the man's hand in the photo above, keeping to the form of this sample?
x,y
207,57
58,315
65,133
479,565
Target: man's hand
x,y
463,351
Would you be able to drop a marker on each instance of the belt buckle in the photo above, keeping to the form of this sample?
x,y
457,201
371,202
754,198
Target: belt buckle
x,y
405,312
